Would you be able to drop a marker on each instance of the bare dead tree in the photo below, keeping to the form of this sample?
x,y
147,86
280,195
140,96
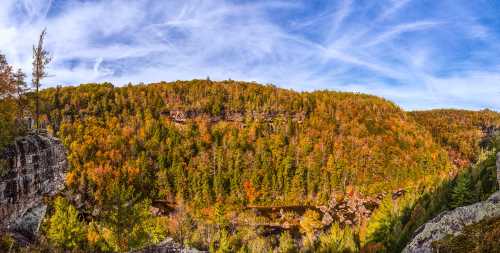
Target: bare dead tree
x,y
41,58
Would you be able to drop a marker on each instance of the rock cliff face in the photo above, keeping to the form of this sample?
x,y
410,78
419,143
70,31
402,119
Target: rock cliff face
x,y
180,116
452,222
32,168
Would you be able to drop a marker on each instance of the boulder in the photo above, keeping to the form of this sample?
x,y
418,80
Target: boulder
x,y
155,211
327,219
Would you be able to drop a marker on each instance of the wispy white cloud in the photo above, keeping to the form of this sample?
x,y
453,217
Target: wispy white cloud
x,y
35,9
341,14
395,6
397,49
400,29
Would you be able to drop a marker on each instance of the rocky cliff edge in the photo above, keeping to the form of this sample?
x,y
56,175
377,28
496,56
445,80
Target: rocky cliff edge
x,y
452,222
32,168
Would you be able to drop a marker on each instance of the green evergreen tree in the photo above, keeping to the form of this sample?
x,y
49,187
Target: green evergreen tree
x,y
385,225
219,216
129,219
462,193
287,244
310,224
65,229
297,189
224,242
337,239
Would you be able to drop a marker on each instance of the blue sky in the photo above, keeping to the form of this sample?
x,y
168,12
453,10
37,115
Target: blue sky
x,y
420,54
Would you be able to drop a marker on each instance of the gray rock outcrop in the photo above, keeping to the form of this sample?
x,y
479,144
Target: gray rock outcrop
x,y
32,169
452,222
166,246
181,116
349,211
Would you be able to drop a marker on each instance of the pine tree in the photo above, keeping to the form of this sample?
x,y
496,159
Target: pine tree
x,y
287,244
56,116
385,224
297,185
462,191
128,218
220,216
310,223
338,239
65,229
181,223
224,242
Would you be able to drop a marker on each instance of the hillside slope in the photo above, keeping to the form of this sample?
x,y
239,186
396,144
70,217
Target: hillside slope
x,y
463,133
239,142
234,166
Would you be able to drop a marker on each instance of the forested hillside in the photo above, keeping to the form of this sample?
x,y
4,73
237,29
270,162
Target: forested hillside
x,y
239,143
228,166
463,133
214,147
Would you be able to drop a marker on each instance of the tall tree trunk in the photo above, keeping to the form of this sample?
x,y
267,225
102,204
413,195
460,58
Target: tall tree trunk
x,y
37,107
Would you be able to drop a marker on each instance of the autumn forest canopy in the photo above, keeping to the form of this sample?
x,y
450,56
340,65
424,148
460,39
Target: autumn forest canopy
x,y
173,163
208,149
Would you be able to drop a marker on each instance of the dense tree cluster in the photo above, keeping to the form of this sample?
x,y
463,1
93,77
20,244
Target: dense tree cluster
x,y
234,144
463,133
204,150
12,102
343,140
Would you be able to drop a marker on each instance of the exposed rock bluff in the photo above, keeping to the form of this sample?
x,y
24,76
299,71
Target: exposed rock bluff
x,y
452,222
32,168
